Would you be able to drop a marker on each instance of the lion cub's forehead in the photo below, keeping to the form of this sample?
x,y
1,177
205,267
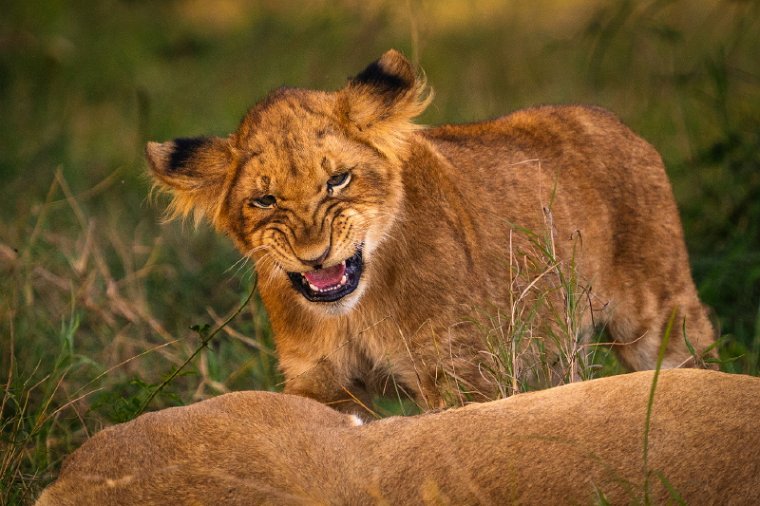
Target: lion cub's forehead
x,y
287,119
293,165
295,141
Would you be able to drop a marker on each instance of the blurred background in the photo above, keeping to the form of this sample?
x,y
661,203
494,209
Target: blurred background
x,y
100,302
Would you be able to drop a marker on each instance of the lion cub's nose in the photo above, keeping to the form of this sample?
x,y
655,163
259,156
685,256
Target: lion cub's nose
x,y
317,262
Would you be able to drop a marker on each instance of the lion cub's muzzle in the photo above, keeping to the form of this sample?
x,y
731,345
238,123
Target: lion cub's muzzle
x,y
331,283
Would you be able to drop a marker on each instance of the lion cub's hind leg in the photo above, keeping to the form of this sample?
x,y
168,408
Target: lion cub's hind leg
x,y
638,331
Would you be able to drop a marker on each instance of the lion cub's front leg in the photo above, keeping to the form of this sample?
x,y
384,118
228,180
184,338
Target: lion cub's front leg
x,y
323,381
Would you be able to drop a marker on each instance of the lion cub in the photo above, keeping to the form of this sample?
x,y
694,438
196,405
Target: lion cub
x,y
393,258
573,444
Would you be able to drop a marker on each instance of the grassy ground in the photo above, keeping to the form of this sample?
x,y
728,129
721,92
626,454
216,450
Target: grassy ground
x,y
97,298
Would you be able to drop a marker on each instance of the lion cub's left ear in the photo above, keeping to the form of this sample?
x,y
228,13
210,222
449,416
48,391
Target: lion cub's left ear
x,y
380,103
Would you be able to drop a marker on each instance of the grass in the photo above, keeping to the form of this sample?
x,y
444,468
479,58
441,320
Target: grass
x,y
97,297
650,405
542,337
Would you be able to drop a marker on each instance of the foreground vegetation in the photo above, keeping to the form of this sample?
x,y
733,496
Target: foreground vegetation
x,y
100,304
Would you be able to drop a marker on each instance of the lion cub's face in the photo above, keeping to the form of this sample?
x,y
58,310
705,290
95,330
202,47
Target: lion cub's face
x,y
309,199
309,184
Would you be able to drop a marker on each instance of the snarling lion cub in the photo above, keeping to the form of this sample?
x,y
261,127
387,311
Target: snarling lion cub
x,y
393,257
573,444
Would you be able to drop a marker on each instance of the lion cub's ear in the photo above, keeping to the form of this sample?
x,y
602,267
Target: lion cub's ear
x,y
193,171
380,103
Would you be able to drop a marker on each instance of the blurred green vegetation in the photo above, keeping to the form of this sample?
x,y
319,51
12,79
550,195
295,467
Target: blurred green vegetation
x,y
97,297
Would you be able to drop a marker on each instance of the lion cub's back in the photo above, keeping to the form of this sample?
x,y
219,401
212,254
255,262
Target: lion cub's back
x,y
598,179
572,139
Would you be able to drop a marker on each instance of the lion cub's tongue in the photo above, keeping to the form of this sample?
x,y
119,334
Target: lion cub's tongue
x,y
326,278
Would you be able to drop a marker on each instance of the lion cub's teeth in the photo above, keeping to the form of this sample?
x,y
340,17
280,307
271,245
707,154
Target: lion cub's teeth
x,y
343,280
314,288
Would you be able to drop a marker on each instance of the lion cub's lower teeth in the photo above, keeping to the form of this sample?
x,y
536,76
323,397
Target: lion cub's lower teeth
x,y
342,282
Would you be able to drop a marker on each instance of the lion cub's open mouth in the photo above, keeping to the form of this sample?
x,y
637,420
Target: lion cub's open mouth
x,y
331,283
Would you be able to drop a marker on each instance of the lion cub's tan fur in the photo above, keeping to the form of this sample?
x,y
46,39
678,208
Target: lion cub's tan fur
x,y
565,445
447,220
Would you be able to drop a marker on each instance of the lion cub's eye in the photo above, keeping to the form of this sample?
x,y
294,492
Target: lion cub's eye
x,y
264,202
338,181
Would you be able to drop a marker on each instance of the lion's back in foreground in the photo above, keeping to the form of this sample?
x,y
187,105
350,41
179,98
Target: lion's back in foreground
x,y
573,444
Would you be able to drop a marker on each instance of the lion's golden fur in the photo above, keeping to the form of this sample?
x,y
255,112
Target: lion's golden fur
x,y
447,220
572,444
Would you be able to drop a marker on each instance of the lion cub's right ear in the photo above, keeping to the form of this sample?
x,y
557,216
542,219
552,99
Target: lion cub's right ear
x,y
193,171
